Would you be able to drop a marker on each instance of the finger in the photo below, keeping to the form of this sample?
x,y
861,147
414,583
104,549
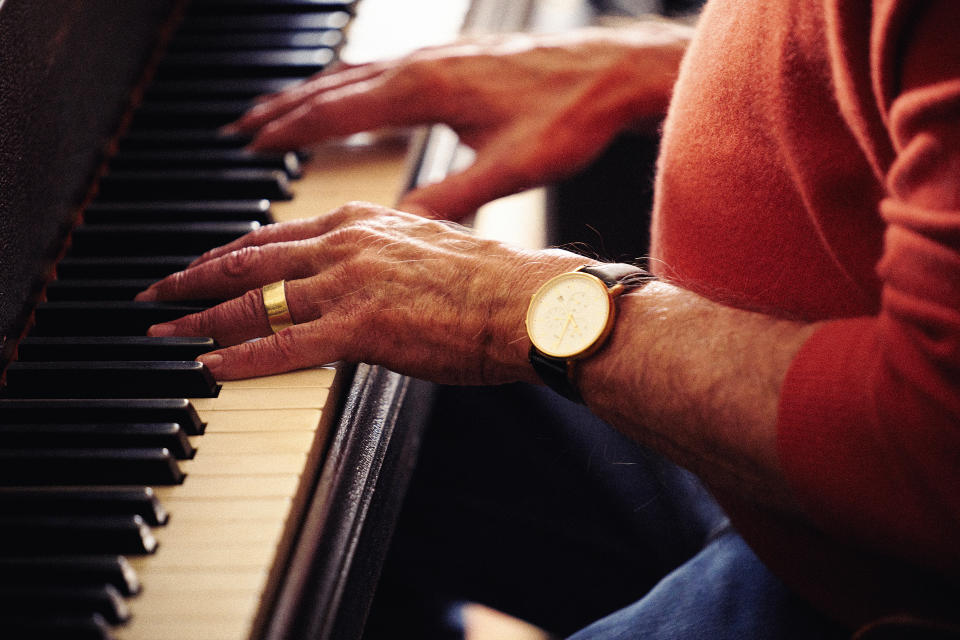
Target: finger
x,y
461,194
272,107
332,68
403,98
298,347
293,230
231,322
245,317
279,232
234,273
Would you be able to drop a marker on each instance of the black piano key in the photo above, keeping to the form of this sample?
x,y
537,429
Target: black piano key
x,y
178,212
177,410
83,289
166,435
40,349
155,238
182,139
57,601
221,7
107,317
152,267
68,535
49,467
155,114
299,21
287,162
271,63
221,88
59,627
67,571
90,501
312,39
222,184
111,379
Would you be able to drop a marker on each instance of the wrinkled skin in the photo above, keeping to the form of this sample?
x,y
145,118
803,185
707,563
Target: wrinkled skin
x,y
535,108
366,283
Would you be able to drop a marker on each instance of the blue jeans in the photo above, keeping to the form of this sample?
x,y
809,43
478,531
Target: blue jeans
x,y
722,593
531,505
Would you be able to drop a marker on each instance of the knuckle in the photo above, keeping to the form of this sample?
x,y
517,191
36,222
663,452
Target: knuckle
x,y
241,262
257,351
358,210
249,305
197,323
173,285
352,235
362,269
288,348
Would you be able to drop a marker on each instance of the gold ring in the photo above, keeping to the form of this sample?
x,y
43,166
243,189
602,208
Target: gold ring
x,y
275,303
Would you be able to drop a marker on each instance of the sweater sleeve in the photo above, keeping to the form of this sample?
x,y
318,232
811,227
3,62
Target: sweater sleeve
x,y
869,422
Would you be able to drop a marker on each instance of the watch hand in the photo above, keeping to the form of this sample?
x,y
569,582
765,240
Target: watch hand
x,y
565,325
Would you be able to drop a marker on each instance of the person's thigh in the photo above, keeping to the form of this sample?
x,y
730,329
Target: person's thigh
x,y
530,504
723,593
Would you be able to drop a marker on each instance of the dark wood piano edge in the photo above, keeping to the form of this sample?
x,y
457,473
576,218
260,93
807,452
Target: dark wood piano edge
x,y
335,565
93,120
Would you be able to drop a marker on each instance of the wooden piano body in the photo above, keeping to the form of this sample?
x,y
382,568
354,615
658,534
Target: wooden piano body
x,y
318,524
66,74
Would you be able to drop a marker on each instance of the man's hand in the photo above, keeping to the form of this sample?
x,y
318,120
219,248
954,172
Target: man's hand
x,y
534,108
694,379
365,283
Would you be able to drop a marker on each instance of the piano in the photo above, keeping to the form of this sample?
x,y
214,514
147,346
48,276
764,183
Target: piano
x,y
140,498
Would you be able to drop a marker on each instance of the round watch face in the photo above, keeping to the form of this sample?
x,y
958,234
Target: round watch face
x,y
569,315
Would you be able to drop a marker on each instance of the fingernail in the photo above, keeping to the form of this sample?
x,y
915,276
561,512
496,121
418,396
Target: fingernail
x,y
212,361
229,129
147,295
161,330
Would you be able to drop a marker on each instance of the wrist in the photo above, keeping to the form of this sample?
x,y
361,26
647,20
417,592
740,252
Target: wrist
x,y
503,337
659,48
570,317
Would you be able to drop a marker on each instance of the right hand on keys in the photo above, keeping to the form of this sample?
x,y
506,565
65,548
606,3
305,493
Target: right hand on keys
x,y
534,108
366,284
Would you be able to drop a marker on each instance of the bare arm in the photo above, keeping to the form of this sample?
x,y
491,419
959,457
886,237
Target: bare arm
x,y
699,382
693,379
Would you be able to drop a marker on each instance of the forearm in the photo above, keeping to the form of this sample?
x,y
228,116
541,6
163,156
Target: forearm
x,y
691,378
699,382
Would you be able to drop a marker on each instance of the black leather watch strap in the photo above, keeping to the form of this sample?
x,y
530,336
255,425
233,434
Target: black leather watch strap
x,y
554,373
616,273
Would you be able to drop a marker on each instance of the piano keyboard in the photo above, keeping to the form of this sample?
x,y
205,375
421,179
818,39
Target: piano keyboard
x,y
127,511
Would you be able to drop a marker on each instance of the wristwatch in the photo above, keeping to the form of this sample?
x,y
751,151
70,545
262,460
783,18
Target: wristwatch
x,y
571,316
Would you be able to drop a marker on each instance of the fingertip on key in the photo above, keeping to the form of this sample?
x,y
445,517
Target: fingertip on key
x,y
212,361
147,295
161,330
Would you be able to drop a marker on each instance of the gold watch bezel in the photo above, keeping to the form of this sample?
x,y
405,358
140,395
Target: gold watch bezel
x,y
534,319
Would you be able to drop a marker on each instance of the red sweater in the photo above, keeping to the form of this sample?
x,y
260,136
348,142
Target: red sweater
x,y
810,168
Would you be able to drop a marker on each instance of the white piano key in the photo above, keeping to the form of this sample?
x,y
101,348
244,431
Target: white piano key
x,y
212,487
257,399
239,421
257,442
245,465
318,377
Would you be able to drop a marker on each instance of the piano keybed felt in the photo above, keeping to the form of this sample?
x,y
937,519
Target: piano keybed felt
x,y
139,498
